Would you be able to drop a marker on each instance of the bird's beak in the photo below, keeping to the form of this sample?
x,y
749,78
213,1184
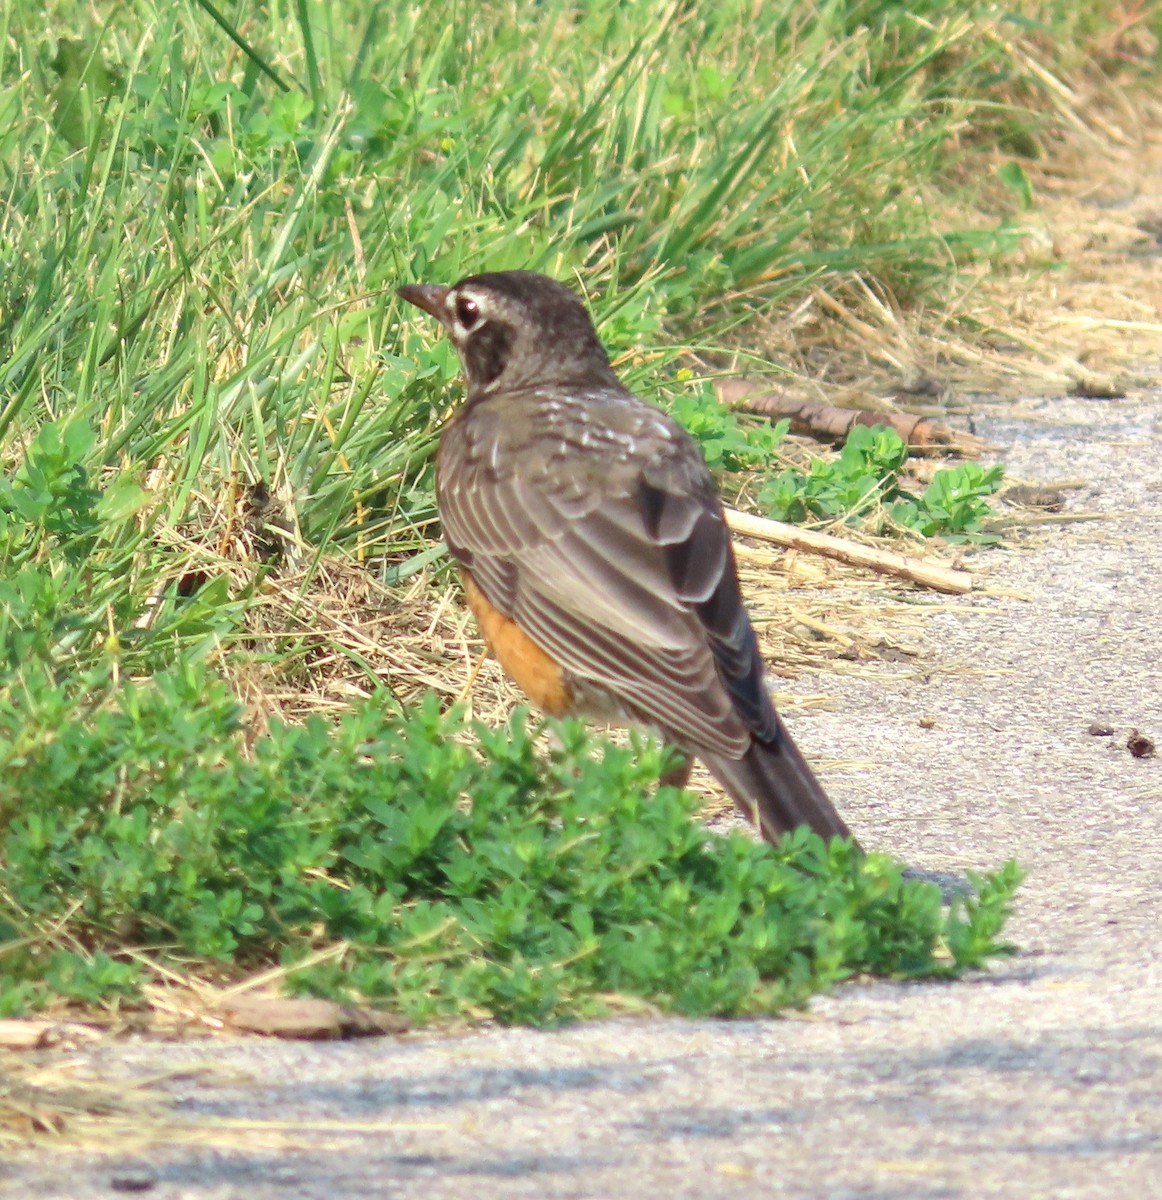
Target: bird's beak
x,y
428,296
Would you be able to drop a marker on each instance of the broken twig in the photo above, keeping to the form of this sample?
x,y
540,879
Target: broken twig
x,y
933,575
828,423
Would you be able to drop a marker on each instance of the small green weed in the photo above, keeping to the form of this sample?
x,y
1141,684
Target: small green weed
x,y
729,441
72,586
953,505
865,481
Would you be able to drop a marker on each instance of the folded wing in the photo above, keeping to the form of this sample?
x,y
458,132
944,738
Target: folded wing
x,y
612,553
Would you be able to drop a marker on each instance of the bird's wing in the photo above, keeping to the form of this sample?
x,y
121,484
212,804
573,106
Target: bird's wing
x,y
603,539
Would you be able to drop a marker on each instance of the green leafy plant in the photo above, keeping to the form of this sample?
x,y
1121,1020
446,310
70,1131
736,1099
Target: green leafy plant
x,y
729,441
953,505
51,493
463,883
864,480
72,547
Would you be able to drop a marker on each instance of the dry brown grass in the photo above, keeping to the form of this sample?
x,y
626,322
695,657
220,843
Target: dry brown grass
x,y
66,1103
1080,307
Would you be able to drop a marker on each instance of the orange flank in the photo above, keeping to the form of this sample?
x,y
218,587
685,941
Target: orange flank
x,y
525,663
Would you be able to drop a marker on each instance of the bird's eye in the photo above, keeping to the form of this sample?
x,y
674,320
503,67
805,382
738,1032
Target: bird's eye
x,y
467,311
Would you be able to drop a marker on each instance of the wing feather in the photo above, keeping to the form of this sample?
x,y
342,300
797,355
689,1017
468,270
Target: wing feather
x,y
612,553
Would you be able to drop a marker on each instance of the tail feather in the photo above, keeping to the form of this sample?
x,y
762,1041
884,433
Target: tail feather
x,y
773,786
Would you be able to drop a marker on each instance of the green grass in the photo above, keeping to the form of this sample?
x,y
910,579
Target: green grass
x,y
198,254
208,277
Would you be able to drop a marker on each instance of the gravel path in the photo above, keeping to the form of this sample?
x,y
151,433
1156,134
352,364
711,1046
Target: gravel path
x,y
1043,1078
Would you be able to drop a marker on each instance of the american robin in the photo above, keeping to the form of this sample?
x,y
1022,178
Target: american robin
x,y
593,547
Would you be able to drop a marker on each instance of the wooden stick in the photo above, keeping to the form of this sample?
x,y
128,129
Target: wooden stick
x,y
826,422
934,575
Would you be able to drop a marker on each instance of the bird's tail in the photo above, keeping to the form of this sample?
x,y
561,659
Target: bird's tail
x,y
773,786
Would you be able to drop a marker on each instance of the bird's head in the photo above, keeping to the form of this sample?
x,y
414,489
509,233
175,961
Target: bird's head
x,y
516,329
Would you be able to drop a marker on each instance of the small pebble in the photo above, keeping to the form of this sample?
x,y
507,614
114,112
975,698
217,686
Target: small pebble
x,y
1139,745
136,1182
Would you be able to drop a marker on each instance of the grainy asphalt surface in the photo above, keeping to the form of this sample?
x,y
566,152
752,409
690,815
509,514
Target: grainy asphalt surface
x,y
1043,1078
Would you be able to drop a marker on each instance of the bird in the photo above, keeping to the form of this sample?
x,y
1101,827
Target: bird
x,y
594,551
